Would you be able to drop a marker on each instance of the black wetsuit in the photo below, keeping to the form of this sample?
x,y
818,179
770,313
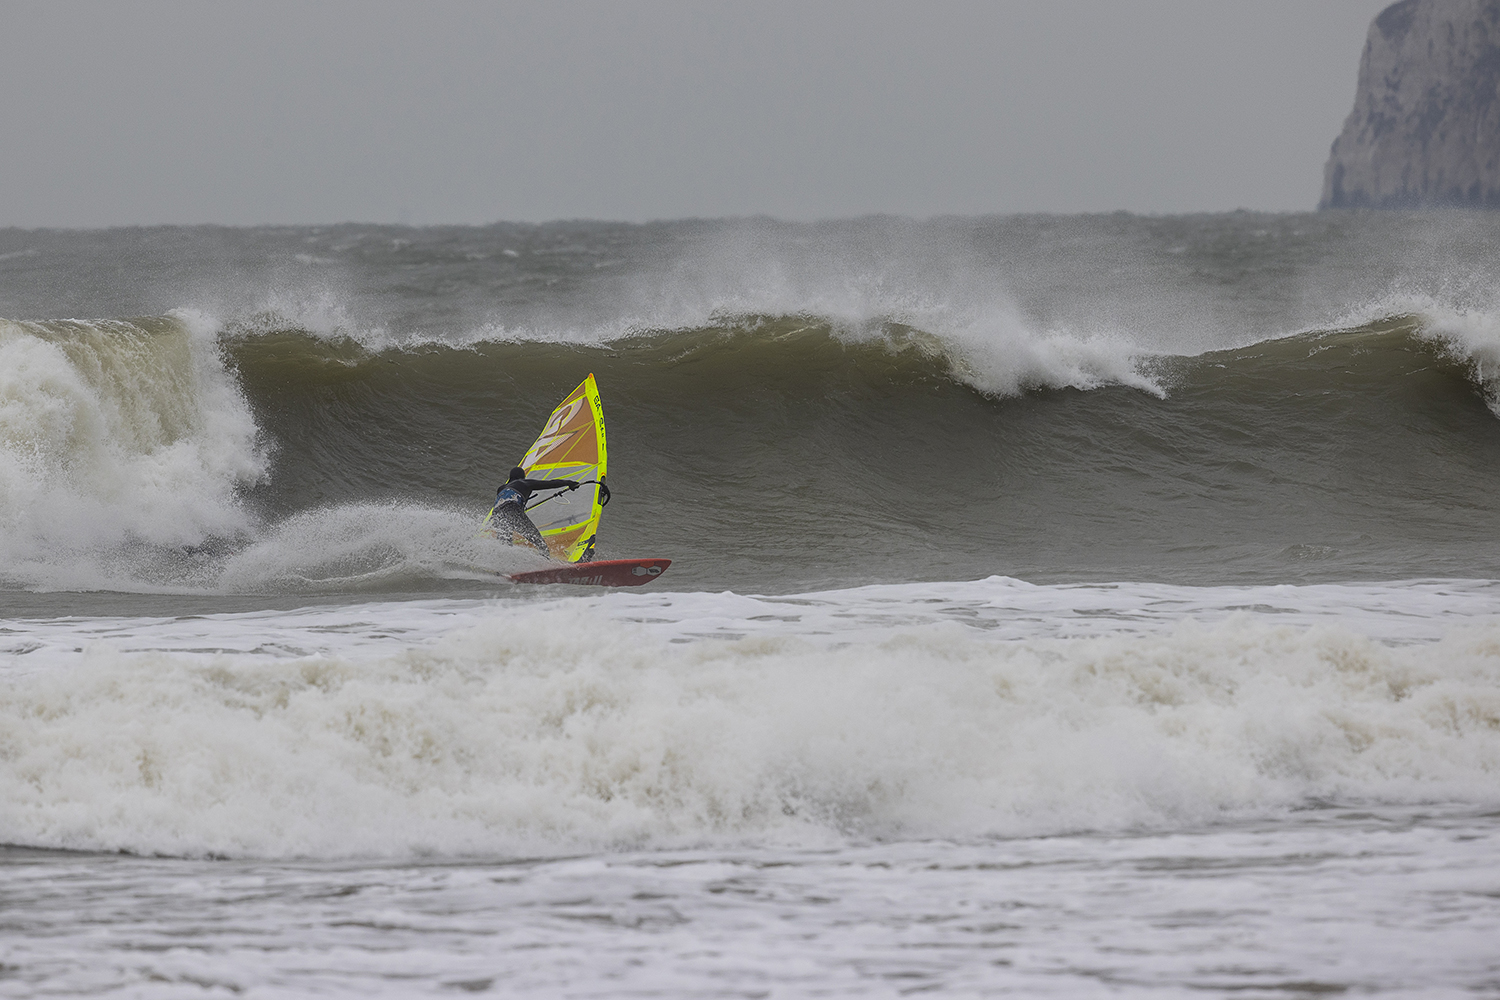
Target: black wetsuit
x,y
510,508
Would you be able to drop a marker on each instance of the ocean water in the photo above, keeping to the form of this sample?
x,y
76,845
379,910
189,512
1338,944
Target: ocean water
x,y
1074,606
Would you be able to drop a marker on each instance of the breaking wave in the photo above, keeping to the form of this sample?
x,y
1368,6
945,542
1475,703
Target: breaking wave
x,y
554,729
164,453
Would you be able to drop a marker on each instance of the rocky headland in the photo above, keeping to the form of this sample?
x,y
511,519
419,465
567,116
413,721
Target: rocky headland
x,y
1425,129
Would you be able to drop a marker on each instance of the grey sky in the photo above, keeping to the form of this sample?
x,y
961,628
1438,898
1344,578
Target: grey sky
x,y
378,111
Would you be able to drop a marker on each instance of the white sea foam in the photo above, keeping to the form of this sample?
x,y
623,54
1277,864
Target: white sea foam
x,y
111,431
1395,902
518,727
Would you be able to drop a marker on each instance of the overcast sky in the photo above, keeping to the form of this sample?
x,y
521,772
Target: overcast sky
x,y
317,111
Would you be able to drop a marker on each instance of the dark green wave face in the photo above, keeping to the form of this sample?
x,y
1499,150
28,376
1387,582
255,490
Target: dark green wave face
x,y
1096,398
774,448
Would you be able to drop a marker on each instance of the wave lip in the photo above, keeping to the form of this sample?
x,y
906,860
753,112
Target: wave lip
x,y
1471,337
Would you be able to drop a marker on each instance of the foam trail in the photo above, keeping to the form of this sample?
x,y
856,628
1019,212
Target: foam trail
x,y
368,545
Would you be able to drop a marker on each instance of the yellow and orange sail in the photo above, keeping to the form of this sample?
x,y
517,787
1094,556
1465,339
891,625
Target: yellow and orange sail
x,y
571,446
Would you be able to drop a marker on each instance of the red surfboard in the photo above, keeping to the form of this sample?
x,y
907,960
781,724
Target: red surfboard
x,y
603,573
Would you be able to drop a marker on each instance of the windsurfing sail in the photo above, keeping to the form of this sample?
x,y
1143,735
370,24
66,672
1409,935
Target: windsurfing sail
x,y
571,446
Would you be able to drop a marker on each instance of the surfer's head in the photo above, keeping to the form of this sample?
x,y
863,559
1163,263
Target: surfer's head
x,y
516,473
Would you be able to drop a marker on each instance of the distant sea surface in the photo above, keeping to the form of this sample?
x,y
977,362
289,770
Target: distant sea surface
x,y
1077,606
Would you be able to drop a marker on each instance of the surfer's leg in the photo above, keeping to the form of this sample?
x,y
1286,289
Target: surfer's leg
x,y
534,536
509,519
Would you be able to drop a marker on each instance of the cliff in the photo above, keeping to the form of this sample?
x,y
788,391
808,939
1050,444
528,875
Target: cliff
x,y
1425,129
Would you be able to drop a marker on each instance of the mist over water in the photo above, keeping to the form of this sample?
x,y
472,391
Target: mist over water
x,y
1146,564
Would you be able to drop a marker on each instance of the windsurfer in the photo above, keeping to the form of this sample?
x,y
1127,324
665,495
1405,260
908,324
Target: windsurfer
x,y
509,515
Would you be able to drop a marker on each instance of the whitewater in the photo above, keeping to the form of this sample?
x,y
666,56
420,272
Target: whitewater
x,y
1072,606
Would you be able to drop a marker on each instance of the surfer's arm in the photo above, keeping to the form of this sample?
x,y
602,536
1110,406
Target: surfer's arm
x,y
550,484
